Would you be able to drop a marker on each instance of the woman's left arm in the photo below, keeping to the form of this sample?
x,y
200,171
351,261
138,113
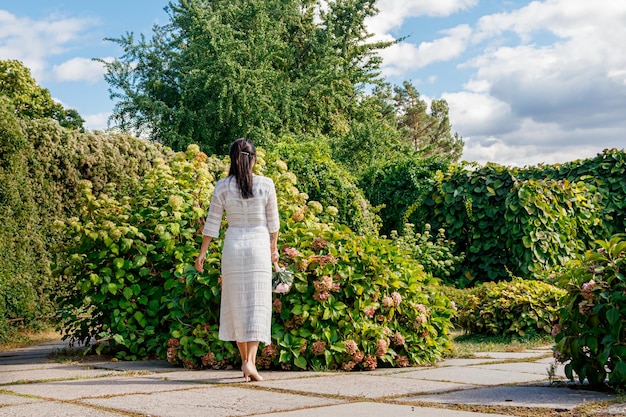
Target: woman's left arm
x,y
273,221
274,246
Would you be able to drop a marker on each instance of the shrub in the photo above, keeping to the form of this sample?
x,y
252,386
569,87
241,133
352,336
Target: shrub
x,y
41,165
434,253
506,225
590,335
128,254
399,187
357,301
326,181
519,307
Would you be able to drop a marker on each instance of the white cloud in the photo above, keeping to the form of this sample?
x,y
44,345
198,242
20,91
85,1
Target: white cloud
x,y
548,82
34,41
79,69
392,13
96,121
555,93
404,57
479,114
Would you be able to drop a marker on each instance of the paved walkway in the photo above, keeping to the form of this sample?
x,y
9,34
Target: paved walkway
x,y
33,385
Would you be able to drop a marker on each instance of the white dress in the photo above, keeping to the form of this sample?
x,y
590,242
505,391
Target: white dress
x,y
246,308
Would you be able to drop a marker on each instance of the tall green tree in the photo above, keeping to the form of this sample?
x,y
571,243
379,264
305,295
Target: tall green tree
x,y
222,69
428,133
30,100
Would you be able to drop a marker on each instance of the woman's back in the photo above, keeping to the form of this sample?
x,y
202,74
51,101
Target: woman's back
x,y
259,210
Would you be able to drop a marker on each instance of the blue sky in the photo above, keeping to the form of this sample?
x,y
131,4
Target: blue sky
x,y
526,82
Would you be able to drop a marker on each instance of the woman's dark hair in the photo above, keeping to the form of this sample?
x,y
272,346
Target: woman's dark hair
x,y
242,159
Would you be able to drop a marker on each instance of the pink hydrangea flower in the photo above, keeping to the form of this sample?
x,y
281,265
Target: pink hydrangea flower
x,y
387,302
370,311
208,359
277,305
381,347
318,347
397,339
319,243
358,357
351,347
419,320
172,355
291,252
587,289
370,362
396,297
321,296
402,361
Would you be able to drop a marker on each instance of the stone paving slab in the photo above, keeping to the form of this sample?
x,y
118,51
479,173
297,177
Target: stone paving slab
x,y
617,410
525,355
367,409
52,373
15,399
518,396
31,354
75,389
227,376
214,401
138,366
473,376
363,385
466,362
28,367
537,368
48,409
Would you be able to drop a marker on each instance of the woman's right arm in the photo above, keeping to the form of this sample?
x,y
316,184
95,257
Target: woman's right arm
x,y
202,256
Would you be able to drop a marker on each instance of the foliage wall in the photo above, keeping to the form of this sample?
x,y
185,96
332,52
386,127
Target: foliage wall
x,y
40,169
523,221
326,181
357,301
399,187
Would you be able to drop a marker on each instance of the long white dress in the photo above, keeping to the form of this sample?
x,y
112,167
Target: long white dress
x,y
246,308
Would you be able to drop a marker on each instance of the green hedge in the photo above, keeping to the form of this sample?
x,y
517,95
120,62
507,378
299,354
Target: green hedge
x,y
326,181
399,188
519,307
524,221
41,166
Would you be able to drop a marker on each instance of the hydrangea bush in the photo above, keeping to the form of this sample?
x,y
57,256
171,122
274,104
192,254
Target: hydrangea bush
x,y
519,307
357,302
590,335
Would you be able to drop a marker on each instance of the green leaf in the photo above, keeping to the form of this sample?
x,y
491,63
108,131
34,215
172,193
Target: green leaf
x,y
140,260
112,288
128,293
119,263
613,316
300,362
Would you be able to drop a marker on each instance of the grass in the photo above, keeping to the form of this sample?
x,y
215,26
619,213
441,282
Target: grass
x,y
20,338
464,346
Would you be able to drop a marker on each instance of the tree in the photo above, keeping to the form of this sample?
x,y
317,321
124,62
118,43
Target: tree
x,y
428,133
223,69
32,101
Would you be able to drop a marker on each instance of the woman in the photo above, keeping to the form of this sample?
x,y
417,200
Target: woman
x,y
249,249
